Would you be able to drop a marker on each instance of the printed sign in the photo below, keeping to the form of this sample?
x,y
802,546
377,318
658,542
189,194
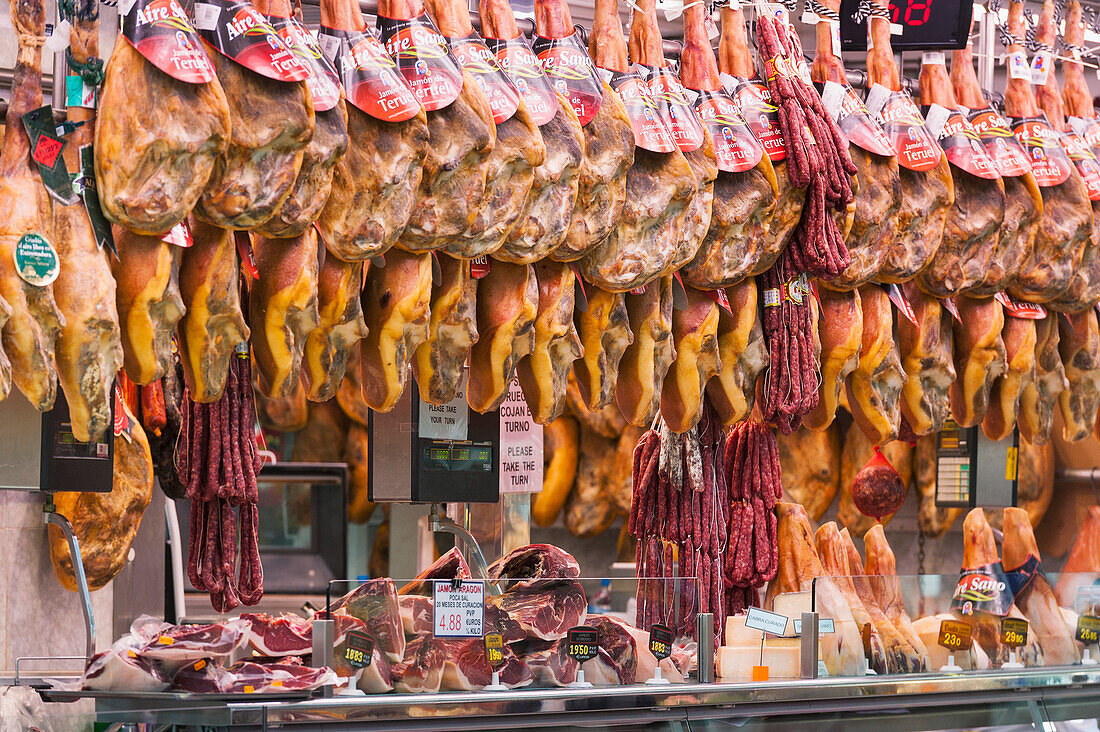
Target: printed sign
x,y
773,623
323,83
459,608
1085,162
1087,128
566,64
179,235
47,145
85,185
358,649
914,146
660,641
423,59
1008,154
448,421
983,589
477,59
959,141
368,74
520,466
678,115
523,69
1020,308
36,260
955,635
824,626
582,643
240,32
735,146
1013,632
1049,162
1088,629
853,119
650,132
755,102
162,33
494,650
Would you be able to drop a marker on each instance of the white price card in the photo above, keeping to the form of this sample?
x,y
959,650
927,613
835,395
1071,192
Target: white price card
x,y
773,623
520,467
459,608
824,625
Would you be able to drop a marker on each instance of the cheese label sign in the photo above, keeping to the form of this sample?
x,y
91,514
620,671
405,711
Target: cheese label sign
x,y
323,83
678,115
1013,632
1008,154
983,589
482,65
960,142
955,635
660,641
358,649
650,132
162,33
765,621
1085,162
851,116
582,643
522,67
1049,162
235,29
424,59
755,102
915,147
368,74
36,260
566,64
1088,630
735,146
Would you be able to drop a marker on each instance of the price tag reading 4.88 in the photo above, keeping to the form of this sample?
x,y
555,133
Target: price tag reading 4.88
x,y
459,608
1088,629
583,643
955,635
1013,632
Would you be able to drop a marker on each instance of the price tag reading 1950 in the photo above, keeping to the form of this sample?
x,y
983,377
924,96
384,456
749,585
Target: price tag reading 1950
x,y
660,641
582,643
459,608
955,635
359,650
494,649
1088,629
1013,632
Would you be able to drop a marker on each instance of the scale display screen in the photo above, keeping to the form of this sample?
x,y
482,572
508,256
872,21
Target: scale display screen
x,y
926,25
458,457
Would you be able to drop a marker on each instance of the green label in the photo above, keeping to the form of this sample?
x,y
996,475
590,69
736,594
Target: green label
x,y
85,185
36,260
79,94
47,146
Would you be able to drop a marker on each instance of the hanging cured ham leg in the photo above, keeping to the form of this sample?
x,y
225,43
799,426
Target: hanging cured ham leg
x,y
695,337
452,332
1035,413
928,359
881,569
742,352
840,330
874,386
507,305
1083,563
374,184
89,346
604,330
647,359
1004,398
339,329
26,219
544,372
1079,346
979,357
1066,223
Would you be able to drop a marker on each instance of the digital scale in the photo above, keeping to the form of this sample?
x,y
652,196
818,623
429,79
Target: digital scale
x,y
973,470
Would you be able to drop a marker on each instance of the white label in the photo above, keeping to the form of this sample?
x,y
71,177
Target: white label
x,y
711,26
832,96
876,98
329,45
459,611
896,29
59,39
729,82
773,623
932,57
520,445
1078,124
124,8
1017,66
206,16
834,31
448,421
771,298
936,118
1040,67
809,18
824,625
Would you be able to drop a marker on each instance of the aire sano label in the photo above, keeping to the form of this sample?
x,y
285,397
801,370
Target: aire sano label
x,y
678,115
519,62
960,142
369,76
650,132
162,33
1085,162
983,589
915,147
477,59
755,102
566,64
1049,162
1008,154
423,59
238,31
737,148
323,83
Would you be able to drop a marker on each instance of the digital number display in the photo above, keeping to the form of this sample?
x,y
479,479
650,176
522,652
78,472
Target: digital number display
x,y
910,13
459,457
926,25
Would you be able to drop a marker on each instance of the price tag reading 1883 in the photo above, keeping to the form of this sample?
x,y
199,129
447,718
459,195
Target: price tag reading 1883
x,y
1088,629
582,643
359,650
1013,632
955,635
660,641
494,649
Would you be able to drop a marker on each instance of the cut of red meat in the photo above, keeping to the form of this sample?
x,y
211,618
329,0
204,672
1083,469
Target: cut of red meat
x,y
535,566
123,670
179,645
378,677
546,614
452,565
249,677
421,670
466,668
375,603
548,662
279,635
416,614
498,621
203,677
624,656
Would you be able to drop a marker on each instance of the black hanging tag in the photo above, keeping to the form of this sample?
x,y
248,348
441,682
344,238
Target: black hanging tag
x,y
47,147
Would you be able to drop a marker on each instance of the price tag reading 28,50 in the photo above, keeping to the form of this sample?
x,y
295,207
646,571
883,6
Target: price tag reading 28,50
x,y
1013,632
459,608
582,643
955,635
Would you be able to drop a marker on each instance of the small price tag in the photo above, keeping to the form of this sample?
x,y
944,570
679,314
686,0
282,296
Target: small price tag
x,y
660,641
494,649
582,643
459,609
955,635
1018,67
824,625
1088,629
1013,632
773,623
360,649
1040,67
929,58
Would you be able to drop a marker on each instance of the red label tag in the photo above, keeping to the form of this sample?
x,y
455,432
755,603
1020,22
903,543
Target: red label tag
x,y
678,115
641,291
368,74
914,145
46,150
719,296
737,148
1083,158
480,266
240,32
323,83
960,143
851,115
179,235
123,425
523,70
244,249
477,59
952,307
1087,127
901,302
423,59
755,102
1008,154
650,132
566,64
162,33
1049,162
1019,308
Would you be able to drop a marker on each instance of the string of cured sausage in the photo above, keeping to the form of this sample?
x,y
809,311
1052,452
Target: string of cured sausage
x,y
791,389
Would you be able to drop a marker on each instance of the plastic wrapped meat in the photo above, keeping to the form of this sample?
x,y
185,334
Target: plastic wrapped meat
x,y
466,668
179,645
375,603
624,656
279,635
122,670
548,661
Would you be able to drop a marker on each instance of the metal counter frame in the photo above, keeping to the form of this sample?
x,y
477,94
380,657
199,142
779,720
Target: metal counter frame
x,y
601,706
